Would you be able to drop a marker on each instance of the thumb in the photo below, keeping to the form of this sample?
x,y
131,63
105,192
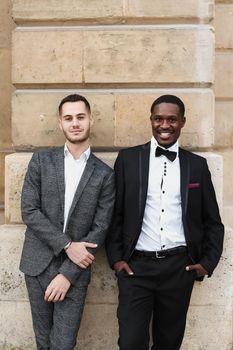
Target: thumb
x,y
190,267
90,245
128,269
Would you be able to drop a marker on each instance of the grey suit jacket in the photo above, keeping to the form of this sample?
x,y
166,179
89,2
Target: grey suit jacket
x,y
43,212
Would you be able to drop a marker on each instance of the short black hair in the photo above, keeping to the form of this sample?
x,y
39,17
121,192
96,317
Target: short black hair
x,y
169,99
74,98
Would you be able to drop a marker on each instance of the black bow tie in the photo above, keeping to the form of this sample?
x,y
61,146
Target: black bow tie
x,y
163,152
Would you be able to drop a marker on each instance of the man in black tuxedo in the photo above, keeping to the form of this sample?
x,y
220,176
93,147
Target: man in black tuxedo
x,y
166,232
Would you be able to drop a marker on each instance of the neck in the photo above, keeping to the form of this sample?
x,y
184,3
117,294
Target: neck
x,y
76,149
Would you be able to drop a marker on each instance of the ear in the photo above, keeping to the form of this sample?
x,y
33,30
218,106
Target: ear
x,y
183,121
91,120
59,123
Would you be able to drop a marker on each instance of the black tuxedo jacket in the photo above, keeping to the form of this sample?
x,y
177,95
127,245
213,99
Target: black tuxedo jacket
x,y
200,214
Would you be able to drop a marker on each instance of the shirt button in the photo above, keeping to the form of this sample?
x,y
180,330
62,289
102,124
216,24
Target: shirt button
x,y
162,210
161,229
163,192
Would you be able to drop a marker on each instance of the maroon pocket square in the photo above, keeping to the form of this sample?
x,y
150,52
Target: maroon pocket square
x,y
194,185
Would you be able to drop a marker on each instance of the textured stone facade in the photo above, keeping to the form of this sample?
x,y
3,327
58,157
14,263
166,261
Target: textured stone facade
x,y
121,55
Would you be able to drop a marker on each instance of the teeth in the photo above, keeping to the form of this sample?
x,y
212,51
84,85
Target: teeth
x,y
165,134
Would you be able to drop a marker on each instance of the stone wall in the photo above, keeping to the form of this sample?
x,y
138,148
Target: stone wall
x,y
223,89
121,55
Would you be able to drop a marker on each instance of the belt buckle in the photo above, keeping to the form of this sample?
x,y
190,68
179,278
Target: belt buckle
x,y
158,256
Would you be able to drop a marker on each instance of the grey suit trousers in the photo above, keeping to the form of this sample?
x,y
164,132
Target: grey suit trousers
x,y
55,325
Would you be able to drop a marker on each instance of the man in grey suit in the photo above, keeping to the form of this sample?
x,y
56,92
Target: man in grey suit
x,y
67,202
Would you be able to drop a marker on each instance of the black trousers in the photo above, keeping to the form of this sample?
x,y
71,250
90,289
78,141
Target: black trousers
x,y
159,290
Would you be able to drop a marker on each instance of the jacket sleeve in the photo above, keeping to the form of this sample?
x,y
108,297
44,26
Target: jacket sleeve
x,y
32,215
99,227
114,241
213,227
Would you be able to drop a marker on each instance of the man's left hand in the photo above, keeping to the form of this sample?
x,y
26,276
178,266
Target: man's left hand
x,y
57,289
199,269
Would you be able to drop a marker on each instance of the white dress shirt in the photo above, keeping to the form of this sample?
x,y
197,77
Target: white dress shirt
x,y
162,226
73,171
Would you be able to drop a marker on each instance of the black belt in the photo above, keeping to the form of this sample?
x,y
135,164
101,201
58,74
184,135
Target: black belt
x,y
159,254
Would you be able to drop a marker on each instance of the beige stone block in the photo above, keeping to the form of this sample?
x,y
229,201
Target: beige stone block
x,y
217,290
133,112
167,9
223,24
103,287
16,326
12,286
215,163
2,176
111,11
224,124
228,215
227,176
46,56
185,55
5,23
224,74
67,10
5,100
98,328
16,165
224,1
209,328
15,169
35,118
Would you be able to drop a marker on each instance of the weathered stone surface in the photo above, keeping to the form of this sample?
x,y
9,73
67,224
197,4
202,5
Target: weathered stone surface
x,y
224,124
181,9
35,119
117,56
209,319
16,326
102,319
224,75
110,11
67,10
185,55
12,286
2,172
47,56
217,290
223,24
121,119
5,24
5,100
228,215
133,111
14,176
227,175
16,165
209,328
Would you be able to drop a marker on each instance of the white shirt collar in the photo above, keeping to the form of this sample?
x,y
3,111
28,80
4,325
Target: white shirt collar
x,y
85,155
174,148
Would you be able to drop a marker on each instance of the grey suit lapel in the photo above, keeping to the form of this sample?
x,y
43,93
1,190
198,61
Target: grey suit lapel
x,y
83,182
184,179
59,164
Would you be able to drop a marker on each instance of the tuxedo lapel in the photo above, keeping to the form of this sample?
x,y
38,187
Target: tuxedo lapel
x,y
144,160
59,164
83,181
184,179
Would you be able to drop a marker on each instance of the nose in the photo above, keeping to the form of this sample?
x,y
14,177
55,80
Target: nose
x,y
165,124
75,123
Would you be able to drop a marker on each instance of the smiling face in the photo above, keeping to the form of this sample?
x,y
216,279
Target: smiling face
x,y
75,121
167,122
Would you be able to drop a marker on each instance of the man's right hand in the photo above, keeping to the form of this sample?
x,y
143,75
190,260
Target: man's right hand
x,y
122,265
78,253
